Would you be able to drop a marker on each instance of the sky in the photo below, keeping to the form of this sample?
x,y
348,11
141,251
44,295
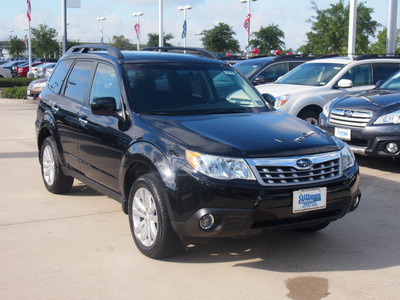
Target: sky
x,y
290,15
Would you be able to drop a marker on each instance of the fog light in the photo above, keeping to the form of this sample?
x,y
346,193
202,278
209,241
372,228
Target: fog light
x,y
392,148
207,221
356,202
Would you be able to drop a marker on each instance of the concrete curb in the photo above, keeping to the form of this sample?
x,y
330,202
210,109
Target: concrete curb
x,y
17,101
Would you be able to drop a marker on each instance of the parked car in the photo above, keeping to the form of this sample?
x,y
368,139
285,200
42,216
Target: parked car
x,y
35,88
188,147
368,121
22,70
41,69
260,70
9,67
48,72
304,91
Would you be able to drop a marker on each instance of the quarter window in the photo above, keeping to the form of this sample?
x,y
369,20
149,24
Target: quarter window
x,y
57,79
360,75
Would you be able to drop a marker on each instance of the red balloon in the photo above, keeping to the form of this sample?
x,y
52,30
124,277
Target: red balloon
x,y
288,53
278,52
228,55
256,51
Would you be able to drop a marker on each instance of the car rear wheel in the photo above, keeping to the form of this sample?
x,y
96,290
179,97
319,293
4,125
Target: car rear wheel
x,y
53,177
149,220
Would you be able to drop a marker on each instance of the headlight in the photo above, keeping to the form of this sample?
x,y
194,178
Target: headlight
x,y
347,156
327,108
392,118
280,100
219,167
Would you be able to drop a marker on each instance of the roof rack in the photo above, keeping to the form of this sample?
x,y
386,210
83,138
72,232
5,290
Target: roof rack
x,y
327,56
370,56
93,48
193,51
281,57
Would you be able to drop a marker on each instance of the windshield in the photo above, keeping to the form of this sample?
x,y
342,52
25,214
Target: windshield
x,y
315,74
393,83
248,67
186,89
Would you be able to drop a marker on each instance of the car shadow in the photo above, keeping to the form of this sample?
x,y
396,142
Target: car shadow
x,y
379,163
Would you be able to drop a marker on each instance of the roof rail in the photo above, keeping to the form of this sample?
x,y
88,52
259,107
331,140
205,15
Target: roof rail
x,y
281,57
94,47
327,56
193,51
366,56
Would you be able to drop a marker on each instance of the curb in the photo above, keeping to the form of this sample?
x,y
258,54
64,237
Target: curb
x,y
17,101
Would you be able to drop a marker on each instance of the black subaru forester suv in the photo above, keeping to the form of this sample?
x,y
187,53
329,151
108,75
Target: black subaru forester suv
x,y
189,148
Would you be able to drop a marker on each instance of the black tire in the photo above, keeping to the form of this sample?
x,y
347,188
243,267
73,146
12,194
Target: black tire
x,y
310,116
153,235
314,228
54,178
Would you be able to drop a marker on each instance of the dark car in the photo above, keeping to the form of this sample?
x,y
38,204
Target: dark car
x,y
368,121
188,147
260,70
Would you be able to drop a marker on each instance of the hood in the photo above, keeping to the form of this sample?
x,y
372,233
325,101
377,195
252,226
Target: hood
x,y
373,100
267,134
277,89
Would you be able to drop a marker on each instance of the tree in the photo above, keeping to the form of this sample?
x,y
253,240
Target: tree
x,y
121,42
267,39
44,43
330,28
154,37
379,47
17,46
220,39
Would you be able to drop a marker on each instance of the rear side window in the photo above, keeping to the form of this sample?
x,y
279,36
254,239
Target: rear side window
x,y
78,81
385,70
57,79
273,72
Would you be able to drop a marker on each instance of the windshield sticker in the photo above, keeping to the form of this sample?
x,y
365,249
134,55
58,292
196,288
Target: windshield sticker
x,y
229,72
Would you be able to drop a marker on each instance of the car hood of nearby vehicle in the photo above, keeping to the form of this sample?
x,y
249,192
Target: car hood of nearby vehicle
x,y
268,134
278,89
375,100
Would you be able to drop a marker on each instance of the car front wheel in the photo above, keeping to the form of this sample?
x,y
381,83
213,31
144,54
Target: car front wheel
x,y
149,220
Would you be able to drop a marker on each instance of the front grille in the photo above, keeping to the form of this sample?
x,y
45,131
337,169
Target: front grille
x,y
284,171
349,118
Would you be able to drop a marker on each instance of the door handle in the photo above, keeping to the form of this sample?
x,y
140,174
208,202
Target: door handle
x,y
83,121
55,108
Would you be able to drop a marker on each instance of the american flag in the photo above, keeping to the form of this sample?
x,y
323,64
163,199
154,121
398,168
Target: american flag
x,y
28,13
137,29
25,40
246,23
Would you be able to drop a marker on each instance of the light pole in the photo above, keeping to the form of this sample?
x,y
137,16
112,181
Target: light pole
x,y
101,19
137,27
184,31
248,24
10,31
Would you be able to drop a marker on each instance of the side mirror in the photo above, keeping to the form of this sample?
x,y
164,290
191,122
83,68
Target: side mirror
x,y
104,106
259,80
270,99
344,84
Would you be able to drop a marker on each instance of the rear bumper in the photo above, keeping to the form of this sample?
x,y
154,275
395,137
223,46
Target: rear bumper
x,y
240,211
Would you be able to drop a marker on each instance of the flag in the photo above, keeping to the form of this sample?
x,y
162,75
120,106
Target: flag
x,y
25,40
246,24
137,29
184,29
28,13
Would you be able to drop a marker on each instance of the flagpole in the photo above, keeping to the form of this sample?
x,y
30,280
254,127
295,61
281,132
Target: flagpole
x,y
30,74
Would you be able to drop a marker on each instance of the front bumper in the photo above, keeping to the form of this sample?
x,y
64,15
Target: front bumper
x,y
242,209
369,140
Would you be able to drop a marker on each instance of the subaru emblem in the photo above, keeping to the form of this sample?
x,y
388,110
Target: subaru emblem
x,y
304,163
348,113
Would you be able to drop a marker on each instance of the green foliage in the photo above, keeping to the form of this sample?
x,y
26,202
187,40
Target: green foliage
x,y
267,39
10,82
44,43
379,47
14,92
17,47
330,28
154,37
220,39
122,43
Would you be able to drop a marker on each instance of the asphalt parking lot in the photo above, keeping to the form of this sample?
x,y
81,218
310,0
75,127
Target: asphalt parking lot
x,y
79,246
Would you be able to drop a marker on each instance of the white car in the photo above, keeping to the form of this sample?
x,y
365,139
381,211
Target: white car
x,y
5,72
305,90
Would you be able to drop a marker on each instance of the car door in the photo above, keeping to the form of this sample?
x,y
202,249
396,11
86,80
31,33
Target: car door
x,y
100,136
